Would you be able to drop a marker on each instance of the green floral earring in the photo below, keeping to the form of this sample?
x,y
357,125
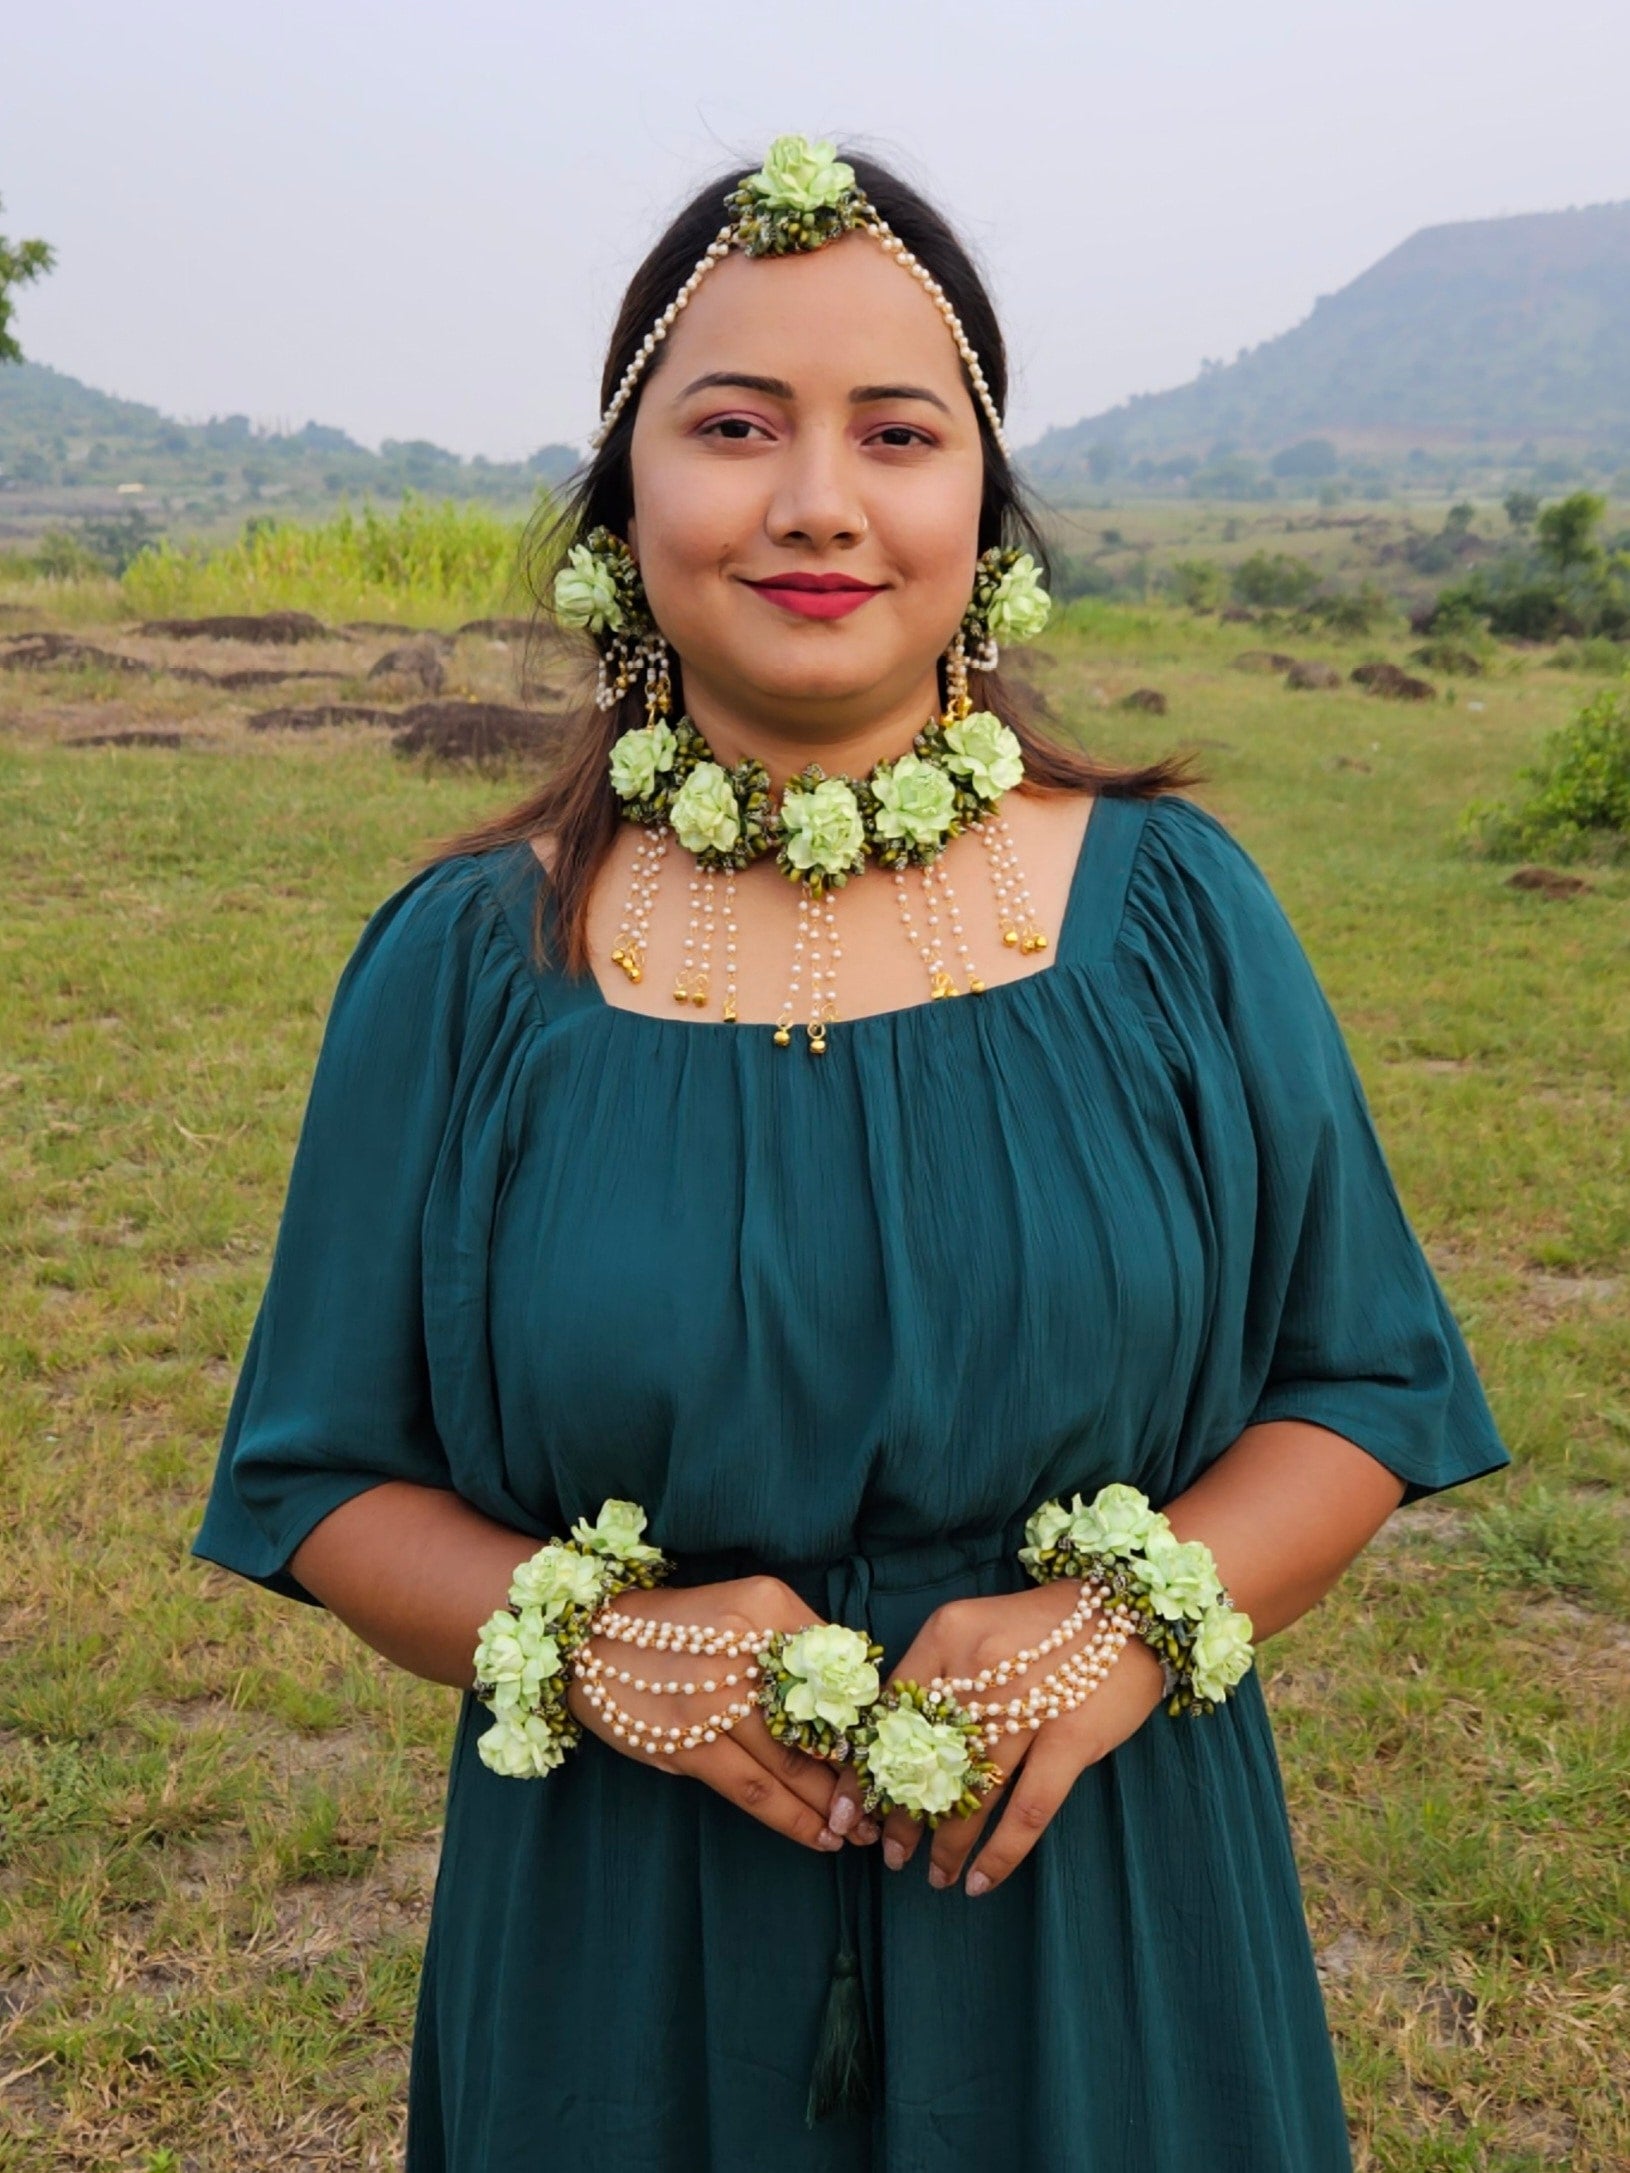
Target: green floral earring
x,y
598,588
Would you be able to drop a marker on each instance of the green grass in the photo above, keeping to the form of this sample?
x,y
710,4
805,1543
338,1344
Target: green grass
x,y
436,563
218,1813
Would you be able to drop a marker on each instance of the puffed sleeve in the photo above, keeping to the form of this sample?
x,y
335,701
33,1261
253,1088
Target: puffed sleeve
x,y
1335,1316
334,1395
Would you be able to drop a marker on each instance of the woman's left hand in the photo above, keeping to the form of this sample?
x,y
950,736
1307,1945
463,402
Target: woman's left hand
x,y
1039,1764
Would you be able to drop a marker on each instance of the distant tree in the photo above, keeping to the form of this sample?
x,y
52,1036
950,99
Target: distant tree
x,y
1458,519
1567,531
1274,580
20,262
1309,458
1521,509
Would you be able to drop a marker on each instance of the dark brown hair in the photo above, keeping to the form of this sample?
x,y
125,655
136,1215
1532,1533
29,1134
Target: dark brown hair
x,y
575,805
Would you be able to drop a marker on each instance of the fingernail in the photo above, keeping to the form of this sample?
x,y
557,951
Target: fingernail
x,y
976,1882
866,1830
827,1839
842,1814
937,1876
894,1854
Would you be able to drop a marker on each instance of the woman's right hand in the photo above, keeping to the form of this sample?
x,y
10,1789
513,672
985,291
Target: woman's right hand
x,y
808,1799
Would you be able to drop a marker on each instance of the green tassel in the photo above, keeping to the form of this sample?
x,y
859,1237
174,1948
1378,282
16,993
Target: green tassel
x,y
841,2078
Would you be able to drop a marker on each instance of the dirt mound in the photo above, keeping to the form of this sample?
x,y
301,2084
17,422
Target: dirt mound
x,y
1149,699
1262,660
415,663
23,652
1549,882
389,626
1392,683
474,731
241,626
253,676
133,737
501,629
325,713
1311,673
1448,656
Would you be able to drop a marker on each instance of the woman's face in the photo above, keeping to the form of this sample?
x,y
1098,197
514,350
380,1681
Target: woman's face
x,y
807,415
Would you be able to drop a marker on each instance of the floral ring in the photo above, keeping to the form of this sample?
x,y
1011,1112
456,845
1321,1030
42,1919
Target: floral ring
x,y
921,1751
816,1686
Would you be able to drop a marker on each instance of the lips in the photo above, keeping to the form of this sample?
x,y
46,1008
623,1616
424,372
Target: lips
x,y
816,595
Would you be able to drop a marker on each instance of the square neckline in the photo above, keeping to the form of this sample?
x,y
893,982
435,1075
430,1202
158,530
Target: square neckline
x,y
1103,861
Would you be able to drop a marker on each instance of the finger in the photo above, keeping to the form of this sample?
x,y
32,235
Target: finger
x,y
955,1839
731,1772
844,1813
1029,1807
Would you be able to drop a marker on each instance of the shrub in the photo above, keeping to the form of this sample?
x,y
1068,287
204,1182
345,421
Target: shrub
x,y
1347,611
1580,797
1273,580
1199,583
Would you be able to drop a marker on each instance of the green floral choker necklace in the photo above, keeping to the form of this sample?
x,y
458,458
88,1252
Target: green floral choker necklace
x,y
822,831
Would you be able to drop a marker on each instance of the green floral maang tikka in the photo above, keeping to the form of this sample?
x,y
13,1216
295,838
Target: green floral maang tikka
x,y
801,198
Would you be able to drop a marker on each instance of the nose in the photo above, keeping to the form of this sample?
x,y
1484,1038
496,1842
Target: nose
x,y
817,499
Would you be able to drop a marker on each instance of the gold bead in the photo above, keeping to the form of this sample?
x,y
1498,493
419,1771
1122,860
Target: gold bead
x,y
782,1037
1010,937
635,973
730,1009
976,985
681,993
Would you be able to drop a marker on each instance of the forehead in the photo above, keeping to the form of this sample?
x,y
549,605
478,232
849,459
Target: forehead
x,y
844,312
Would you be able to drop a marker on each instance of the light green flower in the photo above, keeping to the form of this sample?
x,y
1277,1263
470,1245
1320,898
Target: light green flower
x,y
586,592
616,1531
1045,1526
704,814
798,175
919,1762
1221,1652
637,757
555,1578
836,1677
516,1655
985,752
1179,1575
1020,606
915,800
823,826
1118,1520
520,1748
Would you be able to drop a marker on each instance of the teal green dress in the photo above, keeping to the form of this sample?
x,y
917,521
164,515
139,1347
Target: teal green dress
x,y
849,1320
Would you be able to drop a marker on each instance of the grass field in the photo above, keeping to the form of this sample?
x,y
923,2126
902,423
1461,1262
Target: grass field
x,y
219,1813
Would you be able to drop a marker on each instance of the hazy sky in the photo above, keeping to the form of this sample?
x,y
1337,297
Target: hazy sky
x,y
414,220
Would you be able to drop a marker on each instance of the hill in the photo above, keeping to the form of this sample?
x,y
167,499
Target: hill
x,y
1490,334
66,448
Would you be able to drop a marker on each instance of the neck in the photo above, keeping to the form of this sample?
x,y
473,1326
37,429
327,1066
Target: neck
x,y
785,742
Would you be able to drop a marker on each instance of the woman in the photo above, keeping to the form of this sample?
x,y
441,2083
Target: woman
x,y
845,1270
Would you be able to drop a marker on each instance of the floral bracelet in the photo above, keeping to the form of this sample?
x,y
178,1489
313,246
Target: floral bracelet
x,y
1183,1612
522,1651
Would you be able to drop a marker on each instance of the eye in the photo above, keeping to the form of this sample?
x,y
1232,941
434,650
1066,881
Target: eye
x,y
903,435
734,428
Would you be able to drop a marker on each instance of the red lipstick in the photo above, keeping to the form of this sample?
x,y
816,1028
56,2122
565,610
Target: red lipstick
x,y
816,595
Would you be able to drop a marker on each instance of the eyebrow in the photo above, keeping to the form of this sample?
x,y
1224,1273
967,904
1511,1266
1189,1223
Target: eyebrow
x,y
779,389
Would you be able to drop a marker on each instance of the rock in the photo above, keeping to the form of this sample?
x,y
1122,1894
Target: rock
x,y
1311,673
1392,683
474,731
1262,660
251,626
1549,882
1148,699
414,661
